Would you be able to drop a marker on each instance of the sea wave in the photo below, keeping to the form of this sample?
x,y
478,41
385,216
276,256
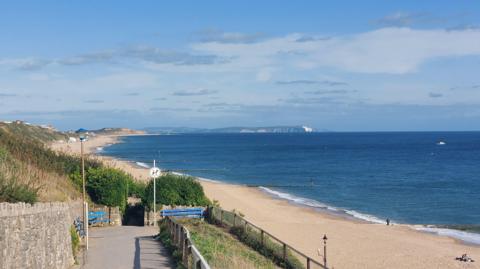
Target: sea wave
x,y
296,199
316,204
473,238
468,237
99,149
144,165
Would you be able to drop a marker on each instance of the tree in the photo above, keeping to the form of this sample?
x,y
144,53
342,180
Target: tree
x,y
108,186
176,190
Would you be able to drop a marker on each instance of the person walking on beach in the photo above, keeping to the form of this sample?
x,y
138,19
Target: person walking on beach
x,y
388,222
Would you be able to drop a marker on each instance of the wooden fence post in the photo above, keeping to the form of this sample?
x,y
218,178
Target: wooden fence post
x,y
285,254
308,263
262,235
234,219
221,216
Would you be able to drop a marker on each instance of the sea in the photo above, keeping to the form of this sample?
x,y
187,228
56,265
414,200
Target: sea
x,y
429,180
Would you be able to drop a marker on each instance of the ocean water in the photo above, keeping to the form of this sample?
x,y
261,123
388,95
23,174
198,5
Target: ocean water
x,y
404,176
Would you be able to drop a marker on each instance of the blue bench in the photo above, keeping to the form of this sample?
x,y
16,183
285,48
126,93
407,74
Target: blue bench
x,y
196,212
97,217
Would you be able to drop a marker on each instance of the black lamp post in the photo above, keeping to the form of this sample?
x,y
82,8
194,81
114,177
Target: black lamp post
x,y
325,250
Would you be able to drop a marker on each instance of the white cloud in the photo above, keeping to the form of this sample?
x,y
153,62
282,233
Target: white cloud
x,y
387,50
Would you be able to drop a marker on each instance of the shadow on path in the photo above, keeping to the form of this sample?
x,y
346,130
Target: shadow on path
x,y
150,254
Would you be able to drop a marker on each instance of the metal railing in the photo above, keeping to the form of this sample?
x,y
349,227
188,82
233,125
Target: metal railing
x,y
288,256
191,257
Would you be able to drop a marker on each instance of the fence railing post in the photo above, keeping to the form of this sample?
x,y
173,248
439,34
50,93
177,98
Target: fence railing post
x,y
285,255
184,251
308,263
234,219
221,216
262,236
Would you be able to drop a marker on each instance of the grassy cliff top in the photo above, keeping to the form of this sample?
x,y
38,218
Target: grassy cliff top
x,y
35,132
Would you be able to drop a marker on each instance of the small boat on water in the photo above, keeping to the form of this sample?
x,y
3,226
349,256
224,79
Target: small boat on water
x,y
441,143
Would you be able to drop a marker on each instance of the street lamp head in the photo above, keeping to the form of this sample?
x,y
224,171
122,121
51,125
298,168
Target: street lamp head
x,y
82,137
325,238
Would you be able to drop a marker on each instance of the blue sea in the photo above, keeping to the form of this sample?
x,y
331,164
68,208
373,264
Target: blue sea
x,y
408,177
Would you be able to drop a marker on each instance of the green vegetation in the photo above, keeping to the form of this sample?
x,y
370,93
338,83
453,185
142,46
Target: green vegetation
x,y
269,247
165,238
221,249
33,132
108,186
176,190
30,171
75,241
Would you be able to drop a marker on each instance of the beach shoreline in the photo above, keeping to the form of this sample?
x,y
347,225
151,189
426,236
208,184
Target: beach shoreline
x,y
352,243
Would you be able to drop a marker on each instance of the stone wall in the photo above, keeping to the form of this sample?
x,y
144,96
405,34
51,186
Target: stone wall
x,y
37,236
114,212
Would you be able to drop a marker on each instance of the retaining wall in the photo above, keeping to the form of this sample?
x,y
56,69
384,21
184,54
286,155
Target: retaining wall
x,y
37,236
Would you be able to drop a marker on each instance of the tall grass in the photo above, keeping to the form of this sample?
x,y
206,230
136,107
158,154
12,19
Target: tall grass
x,y
30,172
221,249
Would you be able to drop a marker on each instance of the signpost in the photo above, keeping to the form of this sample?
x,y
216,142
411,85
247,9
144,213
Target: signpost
x,y
154,173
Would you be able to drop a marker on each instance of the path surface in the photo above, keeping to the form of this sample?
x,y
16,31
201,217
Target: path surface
x,y
125,247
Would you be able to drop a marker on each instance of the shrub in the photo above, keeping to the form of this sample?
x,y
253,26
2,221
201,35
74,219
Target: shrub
x,y
176,190
75,241
107,186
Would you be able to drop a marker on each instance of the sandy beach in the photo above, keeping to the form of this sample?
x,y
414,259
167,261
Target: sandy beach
x,y
351,244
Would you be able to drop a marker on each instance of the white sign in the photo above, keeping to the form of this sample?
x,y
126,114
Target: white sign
x,y
155,172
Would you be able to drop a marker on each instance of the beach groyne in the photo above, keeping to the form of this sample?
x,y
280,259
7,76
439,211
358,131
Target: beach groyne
x,y
37,236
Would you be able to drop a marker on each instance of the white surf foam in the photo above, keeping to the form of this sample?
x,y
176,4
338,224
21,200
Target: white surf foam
x,y
316,204
297,200
99,149
365,217
144,165
472,238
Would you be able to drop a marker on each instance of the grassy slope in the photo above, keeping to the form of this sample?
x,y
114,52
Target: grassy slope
x,y
221,249
22,169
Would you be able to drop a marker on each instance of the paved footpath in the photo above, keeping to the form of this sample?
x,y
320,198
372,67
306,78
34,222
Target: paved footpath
x,y
125,247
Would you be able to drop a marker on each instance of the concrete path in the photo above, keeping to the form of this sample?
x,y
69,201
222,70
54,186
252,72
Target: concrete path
x,y
125,247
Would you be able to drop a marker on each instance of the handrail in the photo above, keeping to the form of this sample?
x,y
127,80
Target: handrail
x,y
182,240
309,260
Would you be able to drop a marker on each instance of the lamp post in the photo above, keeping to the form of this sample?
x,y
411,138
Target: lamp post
x,y
154,173
325,250
83,137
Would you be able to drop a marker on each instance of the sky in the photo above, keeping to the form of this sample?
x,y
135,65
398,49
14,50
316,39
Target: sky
x,y
331,65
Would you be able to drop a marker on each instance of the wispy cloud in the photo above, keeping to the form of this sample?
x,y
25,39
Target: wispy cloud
x,y
311,101
214,35
402,19
435,95
467,87
311,38
94,101
309,82
195,93
90,58
26,64
7,95
322,92
177,109
132,94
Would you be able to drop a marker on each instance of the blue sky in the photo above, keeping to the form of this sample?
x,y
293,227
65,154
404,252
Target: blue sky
x,y
337,65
